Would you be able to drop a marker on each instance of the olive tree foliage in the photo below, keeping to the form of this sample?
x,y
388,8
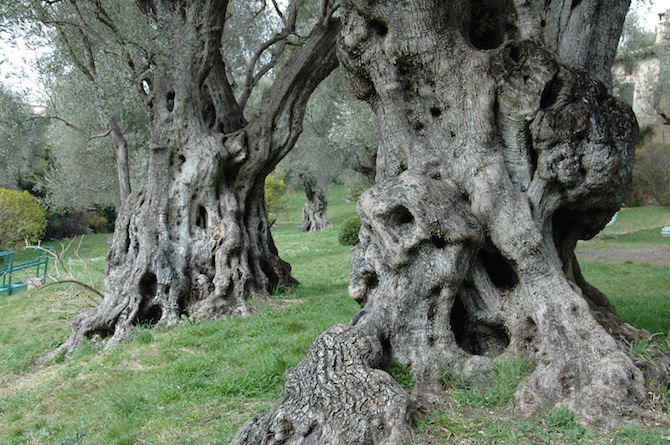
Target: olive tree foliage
x,y
195,239
338,145
355,135
22,147
84,155
633,35
498,152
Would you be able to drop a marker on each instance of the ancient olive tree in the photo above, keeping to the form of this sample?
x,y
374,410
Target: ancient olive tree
x,y
195,240
500,148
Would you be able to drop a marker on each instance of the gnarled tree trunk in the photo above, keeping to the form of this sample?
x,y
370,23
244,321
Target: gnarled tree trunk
x,y
314,218
499,150
196,240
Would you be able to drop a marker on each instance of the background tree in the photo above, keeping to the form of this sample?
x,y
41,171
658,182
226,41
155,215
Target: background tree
x,y
195,240
98,135
338,145
499,150
22,143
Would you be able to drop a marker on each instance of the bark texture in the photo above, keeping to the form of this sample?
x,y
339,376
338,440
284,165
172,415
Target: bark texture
x,y
498,152
336,396
196,240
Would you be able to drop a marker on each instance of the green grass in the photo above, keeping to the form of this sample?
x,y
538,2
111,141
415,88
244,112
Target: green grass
x,y
641,293
198,383
639,226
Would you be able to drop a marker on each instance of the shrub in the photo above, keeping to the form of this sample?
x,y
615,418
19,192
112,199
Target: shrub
x,y
349,229
355,190
98,221
22,218
276,194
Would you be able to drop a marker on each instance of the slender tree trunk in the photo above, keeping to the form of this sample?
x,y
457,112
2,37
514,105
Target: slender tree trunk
x,y
314,217
121,158
495,158
196,240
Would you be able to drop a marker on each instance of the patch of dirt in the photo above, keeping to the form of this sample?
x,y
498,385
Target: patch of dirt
x,y
655,256
14,383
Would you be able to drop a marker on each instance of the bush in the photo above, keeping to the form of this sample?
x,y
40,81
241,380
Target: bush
x,y
349,229
276,194
22,218
99,221
355,190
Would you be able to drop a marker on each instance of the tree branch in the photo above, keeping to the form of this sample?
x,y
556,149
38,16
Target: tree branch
x,y
253,76
665,117
286,99
85,135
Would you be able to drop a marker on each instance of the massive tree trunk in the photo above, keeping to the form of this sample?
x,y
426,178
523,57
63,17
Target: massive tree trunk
x,y
196,240
314,218
499,150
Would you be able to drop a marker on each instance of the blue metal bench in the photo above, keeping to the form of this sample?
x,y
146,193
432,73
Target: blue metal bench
x,y
8,267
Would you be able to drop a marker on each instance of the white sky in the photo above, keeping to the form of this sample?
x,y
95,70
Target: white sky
x,y
17,59
649,13
17,68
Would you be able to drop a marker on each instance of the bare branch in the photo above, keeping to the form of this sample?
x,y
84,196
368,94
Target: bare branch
x,y
100,135
79,130
665,117
253,76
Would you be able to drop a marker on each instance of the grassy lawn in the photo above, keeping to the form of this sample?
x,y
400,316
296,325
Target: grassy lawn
x,y
198,383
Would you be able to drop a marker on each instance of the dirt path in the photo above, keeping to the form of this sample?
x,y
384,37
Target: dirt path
x,y
655,256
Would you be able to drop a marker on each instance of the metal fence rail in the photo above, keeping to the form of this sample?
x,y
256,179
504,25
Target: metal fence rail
x,y
8,267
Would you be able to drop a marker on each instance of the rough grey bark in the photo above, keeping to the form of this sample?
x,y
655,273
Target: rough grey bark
x,y
196,240
314,218
498,152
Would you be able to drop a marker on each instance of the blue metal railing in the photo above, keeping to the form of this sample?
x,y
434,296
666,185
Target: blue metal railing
x,y
8,267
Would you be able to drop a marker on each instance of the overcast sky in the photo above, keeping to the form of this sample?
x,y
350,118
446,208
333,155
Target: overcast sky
x,y
17,60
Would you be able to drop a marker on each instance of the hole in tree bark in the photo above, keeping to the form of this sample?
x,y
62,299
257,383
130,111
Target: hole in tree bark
x,y
170,101
575,3
379,27
500,270
477,337
551,92
529,334
372,281
201,219
182,159
400,215
438,242
403,68
484,29
151,314
147,285
435,112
